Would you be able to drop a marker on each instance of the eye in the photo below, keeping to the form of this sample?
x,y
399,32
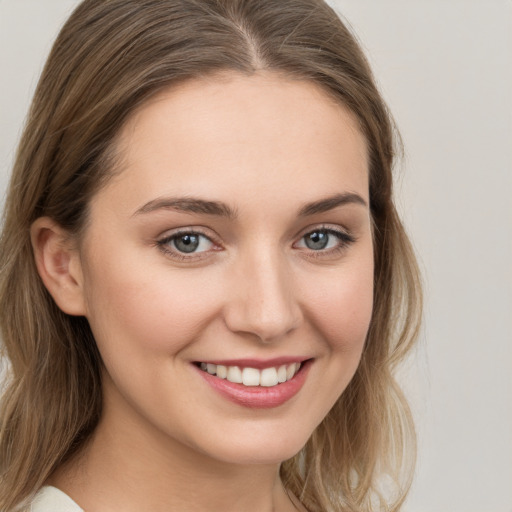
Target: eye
x,y
185,243
325,239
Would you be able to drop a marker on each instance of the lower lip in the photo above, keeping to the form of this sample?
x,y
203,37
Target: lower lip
x,y
258,397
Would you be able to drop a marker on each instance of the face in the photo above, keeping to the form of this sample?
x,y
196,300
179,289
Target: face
x,y
234,245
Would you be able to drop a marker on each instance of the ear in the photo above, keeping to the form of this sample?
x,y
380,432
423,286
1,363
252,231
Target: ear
x,y
59,265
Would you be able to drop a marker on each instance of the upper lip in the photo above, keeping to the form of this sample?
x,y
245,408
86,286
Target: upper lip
x,y
259,364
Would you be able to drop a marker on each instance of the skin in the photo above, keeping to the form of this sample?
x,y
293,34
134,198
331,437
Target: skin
x,y
265,146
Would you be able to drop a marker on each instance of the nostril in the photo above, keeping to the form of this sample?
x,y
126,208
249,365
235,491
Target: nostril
x,y
263,303
257,321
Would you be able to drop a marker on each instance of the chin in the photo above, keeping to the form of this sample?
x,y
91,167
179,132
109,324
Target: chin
x,y
257,446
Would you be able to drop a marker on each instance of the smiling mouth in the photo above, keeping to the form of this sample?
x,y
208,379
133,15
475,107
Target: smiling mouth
x,y
252,377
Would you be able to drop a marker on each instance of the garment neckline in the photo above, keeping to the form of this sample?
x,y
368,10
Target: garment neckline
x,y
60,498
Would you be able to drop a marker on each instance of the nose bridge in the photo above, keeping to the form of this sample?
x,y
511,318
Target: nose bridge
x,y
264,301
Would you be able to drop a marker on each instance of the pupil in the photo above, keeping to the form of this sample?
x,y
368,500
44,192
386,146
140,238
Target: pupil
x,y
317,240
187,243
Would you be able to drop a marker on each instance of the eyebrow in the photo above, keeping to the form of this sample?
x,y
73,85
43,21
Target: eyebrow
x,y
329,203
188,205
197,205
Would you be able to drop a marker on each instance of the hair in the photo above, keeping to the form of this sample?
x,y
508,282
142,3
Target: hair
x,y
109,58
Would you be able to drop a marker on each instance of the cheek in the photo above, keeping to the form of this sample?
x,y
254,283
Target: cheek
x,y
146,313
341,306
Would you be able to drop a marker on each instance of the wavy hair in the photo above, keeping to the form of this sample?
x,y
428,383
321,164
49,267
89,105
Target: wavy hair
x,y
109,58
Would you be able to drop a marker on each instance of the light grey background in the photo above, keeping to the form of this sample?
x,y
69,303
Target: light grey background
x,y
445,67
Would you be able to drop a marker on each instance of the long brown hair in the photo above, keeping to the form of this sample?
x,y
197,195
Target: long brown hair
x,y
109,58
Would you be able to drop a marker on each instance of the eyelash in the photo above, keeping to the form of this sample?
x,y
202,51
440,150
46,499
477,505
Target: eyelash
x,y
344,241
165,242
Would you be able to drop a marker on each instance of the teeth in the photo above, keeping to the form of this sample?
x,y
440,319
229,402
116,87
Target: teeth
x,y
250,377
290,371
234,374
281,374
267,377
222,371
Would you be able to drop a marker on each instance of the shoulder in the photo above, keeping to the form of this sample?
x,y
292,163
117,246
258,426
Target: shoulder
x,y
51,499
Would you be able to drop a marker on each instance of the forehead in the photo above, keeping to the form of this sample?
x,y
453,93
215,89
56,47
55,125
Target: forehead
x,y
232,134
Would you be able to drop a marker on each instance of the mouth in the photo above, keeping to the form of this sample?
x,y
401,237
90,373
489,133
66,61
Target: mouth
x,y
256,384
250,377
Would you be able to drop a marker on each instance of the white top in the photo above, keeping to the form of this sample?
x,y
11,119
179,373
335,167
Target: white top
x,y
51,499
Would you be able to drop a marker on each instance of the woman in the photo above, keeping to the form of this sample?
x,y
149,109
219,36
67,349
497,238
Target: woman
x,y
205,286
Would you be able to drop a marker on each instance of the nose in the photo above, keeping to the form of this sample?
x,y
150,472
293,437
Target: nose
x,y
262,299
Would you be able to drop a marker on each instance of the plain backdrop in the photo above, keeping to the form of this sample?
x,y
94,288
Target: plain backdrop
x,y
445,68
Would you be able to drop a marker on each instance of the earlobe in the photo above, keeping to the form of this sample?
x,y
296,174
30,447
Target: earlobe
x,y
58,264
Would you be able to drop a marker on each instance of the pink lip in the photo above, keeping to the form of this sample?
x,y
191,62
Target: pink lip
x,y
259,364
258,397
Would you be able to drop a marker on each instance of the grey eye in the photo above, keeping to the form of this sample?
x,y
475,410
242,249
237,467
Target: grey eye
x,y
317,240
187,243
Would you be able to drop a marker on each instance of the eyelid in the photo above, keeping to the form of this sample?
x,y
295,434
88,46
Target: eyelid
x,y
330,228
345,237
163,241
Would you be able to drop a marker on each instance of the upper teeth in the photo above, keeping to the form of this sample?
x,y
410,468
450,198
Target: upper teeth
x,y
251,376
